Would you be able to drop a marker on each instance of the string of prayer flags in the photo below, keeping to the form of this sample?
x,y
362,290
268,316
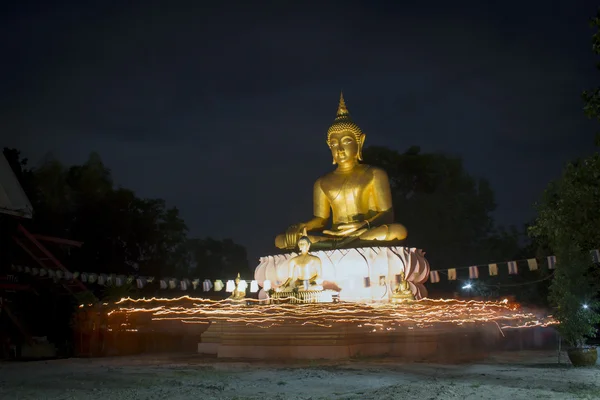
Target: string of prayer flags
x,y
473,272
512,268
551,262
532,263
452,274
493,269
434,276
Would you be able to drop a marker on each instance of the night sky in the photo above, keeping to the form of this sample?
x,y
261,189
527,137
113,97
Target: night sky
x,y
223,110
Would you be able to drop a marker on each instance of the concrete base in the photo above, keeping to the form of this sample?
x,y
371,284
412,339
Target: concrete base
x,y
443,344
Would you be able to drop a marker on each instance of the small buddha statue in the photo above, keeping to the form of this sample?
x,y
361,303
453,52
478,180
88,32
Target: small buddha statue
x,y
305,269
357,197
402,290
239,292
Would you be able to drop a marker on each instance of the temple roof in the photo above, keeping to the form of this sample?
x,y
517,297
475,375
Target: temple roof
x,y
13,200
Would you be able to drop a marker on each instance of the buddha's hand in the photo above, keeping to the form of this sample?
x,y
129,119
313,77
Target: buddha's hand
x,y
346,229
292,234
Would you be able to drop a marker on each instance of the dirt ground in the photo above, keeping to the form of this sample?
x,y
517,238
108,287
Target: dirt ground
x,y
506,375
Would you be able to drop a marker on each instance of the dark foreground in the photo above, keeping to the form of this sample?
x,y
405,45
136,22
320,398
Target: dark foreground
x,y
508,375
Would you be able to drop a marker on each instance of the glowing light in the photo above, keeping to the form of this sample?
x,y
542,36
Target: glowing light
x,y
144,313
585,306
467,286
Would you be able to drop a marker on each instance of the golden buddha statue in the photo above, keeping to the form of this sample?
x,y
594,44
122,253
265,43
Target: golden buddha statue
x,y
402,290
356,196
305,269
239,292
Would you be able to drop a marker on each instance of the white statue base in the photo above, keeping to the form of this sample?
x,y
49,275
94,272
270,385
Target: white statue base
x,y
364,274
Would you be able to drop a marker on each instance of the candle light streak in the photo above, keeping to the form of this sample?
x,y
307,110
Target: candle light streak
x,y
378,317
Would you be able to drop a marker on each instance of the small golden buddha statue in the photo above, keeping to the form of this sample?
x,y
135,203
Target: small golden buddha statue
x,y
356,196
305,269
239,292
402,290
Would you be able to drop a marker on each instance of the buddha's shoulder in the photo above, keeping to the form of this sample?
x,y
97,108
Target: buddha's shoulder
x,y
374,171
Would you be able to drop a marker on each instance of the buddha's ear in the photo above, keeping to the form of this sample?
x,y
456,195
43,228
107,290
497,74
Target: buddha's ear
x,y
361,142
330,149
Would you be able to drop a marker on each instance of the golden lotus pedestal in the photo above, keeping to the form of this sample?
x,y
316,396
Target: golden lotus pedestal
x,y
448,344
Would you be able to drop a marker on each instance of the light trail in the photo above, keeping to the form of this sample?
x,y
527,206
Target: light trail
x,y
130,313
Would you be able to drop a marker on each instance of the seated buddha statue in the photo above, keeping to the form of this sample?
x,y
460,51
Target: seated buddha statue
x,y
240,289
305,269
357,197
402,290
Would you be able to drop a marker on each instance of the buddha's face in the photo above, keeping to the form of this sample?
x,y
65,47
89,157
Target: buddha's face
x,y
345,147
303,245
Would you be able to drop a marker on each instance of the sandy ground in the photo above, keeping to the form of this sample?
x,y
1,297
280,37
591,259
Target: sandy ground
x,y
508,375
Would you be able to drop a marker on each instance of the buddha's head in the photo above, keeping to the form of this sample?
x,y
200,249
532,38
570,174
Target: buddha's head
x,y
304,244
344,137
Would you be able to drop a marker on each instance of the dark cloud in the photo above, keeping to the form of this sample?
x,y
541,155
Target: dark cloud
x,y
223,110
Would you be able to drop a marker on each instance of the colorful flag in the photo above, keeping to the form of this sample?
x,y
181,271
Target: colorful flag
x,y
512,268
473,272
551,262
230,286
141,282
254,286
218,285
367,281
207,285
493,268
452,274
595,255
532,263
267,285
434,276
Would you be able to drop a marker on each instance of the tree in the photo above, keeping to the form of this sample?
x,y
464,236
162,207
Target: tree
x,y
591,98
568,218
214,259
121,232
567,223
447,212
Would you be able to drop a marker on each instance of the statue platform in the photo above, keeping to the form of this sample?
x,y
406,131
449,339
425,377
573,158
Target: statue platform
x,y
448,344
362,274
304,296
